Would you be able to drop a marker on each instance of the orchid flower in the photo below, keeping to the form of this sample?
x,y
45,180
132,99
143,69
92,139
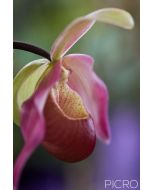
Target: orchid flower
x,y
61,103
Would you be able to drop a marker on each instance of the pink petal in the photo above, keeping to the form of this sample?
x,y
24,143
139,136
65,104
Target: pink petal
x,y
79,27
33,121
92,90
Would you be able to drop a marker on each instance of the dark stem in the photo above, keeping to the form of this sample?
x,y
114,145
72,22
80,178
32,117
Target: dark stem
x,y
31,48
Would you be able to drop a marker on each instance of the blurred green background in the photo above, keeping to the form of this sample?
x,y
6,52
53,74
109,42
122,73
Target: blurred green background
x,y
116,54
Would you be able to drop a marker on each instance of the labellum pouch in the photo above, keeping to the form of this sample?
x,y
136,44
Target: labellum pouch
x,y
70,134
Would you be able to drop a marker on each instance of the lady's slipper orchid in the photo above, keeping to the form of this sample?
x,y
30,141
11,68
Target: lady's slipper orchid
x,y
62,103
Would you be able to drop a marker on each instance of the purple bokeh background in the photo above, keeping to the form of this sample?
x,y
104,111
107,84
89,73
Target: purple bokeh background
x,y
121,159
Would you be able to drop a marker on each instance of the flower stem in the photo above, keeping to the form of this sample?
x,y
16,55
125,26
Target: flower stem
x,y
31,48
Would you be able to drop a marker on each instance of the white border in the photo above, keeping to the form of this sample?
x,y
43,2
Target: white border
x,y
6,89
146,95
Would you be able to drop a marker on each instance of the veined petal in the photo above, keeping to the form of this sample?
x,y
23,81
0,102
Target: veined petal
x,y
92,90
82,25
33,121
24,84
70,134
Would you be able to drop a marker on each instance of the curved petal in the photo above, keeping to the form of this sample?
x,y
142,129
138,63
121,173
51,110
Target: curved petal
x,y
82,25
32,120
92,90
24,84
70,134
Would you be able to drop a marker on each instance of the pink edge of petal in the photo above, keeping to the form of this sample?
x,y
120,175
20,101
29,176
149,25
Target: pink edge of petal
x,y
33,122
102,96
80,57
92,90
